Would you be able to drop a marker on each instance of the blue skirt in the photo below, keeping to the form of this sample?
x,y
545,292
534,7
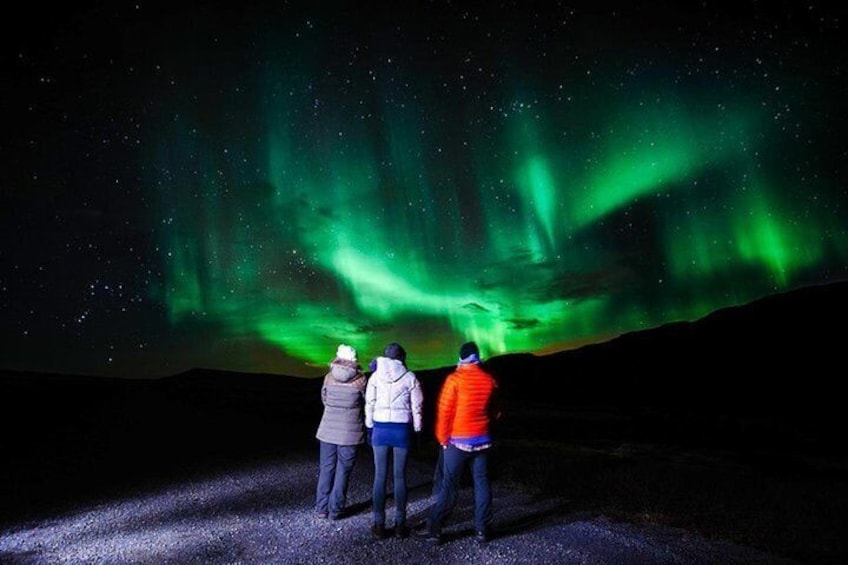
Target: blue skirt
x,y
392,434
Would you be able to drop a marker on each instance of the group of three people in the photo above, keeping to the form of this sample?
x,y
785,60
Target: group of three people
x,y
386,410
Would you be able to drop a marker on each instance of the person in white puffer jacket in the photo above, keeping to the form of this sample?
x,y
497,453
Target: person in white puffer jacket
x,y
393,412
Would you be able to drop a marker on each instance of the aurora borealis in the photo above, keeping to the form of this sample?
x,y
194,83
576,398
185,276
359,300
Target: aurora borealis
x,y
284,178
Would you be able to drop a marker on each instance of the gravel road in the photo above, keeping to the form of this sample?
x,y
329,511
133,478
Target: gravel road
x,y
264,514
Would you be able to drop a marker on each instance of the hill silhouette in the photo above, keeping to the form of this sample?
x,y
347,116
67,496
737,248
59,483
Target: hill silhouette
x,y
761,351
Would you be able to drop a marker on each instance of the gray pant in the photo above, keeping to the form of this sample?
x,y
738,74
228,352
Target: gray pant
x,y
335,466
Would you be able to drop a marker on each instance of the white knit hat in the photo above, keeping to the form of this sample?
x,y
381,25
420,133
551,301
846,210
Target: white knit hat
x,y
346,352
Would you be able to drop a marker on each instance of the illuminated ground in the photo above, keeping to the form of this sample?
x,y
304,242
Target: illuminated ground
x,y
264,514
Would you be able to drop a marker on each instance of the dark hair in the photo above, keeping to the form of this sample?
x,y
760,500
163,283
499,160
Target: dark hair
x,y
467,349
395,351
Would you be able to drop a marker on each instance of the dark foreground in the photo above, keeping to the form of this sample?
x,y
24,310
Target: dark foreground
x,y
220,468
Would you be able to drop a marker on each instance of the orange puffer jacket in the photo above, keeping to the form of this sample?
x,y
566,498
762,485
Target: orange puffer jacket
x,y
464,409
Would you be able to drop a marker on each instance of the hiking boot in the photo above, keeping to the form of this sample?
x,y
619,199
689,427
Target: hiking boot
x,y
428,536
378,531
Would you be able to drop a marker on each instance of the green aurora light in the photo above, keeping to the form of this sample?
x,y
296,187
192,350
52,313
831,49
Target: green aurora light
x,y
369,207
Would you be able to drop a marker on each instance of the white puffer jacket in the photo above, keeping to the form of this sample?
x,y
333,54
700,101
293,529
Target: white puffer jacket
x,y
393,395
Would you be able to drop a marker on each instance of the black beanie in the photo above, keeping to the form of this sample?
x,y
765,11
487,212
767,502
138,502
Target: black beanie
x,y
468,349
395,351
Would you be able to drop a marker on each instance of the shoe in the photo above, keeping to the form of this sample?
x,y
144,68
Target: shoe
x,y
378,531
336,516
482,537
401,531
425,534
322,515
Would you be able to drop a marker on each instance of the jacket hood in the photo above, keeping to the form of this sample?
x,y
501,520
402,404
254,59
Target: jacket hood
x,y
389,370
343,370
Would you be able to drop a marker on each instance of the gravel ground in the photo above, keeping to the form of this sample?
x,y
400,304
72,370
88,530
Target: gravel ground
x,y
264,514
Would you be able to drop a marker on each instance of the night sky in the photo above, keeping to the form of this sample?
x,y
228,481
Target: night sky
x,y
245,188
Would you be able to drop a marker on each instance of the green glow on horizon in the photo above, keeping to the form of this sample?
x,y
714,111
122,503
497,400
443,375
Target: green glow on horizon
x,y
753,230
771,238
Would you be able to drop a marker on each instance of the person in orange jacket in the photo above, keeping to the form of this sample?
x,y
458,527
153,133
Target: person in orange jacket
x,y
465,409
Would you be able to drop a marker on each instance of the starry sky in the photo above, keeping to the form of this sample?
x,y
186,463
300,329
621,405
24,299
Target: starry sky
x,y
246,187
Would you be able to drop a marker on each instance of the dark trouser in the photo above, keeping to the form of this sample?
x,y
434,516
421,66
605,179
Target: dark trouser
x,y
438,475
335,465
453,463
381,465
